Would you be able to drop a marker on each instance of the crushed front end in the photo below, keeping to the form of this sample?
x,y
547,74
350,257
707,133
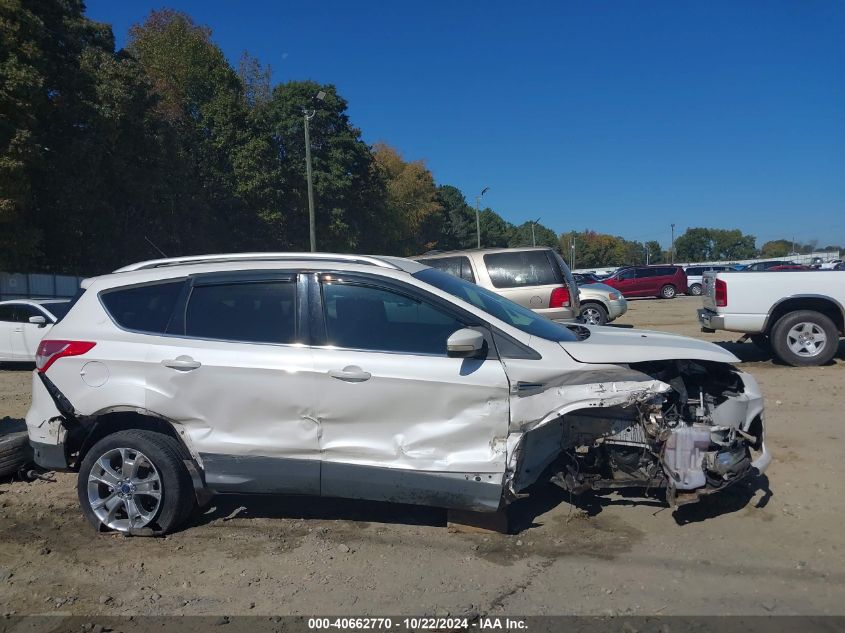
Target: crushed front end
x,y
689,427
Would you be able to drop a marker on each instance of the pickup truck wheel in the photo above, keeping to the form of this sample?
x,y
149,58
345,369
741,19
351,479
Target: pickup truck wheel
x,y
134,481
593,314
804,338
668,291
695,290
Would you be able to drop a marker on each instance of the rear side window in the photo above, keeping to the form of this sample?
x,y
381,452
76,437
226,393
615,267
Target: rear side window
x,y
666,272
146,308
255,312
457,266
521,268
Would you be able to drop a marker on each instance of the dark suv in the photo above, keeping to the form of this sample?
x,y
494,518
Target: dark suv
x,y
649,281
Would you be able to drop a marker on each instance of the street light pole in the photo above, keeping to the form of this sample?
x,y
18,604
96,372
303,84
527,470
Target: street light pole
x,y
673,242
533,224
572,253
478,214
312,224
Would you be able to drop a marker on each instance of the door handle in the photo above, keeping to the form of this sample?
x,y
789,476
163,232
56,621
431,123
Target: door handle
x,y
350,373
20,329
182,363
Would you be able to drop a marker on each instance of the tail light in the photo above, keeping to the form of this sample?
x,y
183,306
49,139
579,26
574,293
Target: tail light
x,y
721,294
559,298
51,351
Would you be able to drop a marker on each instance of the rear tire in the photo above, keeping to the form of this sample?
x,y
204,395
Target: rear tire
x,y
668,291
593,314
695,290
135,482
15,452
805,338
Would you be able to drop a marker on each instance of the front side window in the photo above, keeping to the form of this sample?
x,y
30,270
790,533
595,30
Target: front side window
x,y
7,313
458,266
521,268
248,312
693,272
145,308
370,318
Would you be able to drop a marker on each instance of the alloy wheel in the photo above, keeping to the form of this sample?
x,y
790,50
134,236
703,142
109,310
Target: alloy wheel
x,y
124,489
806,339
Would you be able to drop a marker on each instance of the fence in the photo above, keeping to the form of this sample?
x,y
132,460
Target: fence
x,y
37,286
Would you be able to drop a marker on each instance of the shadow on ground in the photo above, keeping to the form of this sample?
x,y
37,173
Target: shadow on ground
x,y
749,353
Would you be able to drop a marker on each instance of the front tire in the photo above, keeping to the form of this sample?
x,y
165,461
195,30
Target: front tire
x,y
668,291
804,338
135,482
593,314
695,290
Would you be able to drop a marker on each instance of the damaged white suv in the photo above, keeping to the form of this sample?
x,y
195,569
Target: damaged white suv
x,y
371,378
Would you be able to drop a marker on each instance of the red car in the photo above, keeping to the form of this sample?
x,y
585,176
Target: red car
x,y
649,281
788,267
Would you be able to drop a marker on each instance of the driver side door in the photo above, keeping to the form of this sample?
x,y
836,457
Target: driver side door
x,y
399,419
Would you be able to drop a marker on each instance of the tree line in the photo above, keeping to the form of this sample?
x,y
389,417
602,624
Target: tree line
x,y
109,156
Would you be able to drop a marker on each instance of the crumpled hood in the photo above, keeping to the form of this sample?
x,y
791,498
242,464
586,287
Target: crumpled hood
x,y
618,345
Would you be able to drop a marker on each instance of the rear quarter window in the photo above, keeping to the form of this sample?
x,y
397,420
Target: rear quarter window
x,y
457,266
146,308
522,268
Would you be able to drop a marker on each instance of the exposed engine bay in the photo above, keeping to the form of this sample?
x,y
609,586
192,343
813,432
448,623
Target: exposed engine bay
x,y
692,432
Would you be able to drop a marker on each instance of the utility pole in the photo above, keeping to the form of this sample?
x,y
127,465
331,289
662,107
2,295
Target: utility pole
x,y
673,242
478,214
312,224
572,253
647,254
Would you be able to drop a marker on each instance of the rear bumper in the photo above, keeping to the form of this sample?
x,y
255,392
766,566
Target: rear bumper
x,y
557,314
710,320
49,456
746,323
617,308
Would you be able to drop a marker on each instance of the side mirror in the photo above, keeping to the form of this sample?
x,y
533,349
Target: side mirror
x,y
465,343
40,321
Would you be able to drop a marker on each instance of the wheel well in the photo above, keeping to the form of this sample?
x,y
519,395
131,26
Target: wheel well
x,y
816,304
98,427
593,302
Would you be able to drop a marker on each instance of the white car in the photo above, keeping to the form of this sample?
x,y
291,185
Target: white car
x,y
370,378
23,323
695,276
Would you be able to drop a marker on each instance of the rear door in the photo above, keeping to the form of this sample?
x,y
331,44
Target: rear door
x,y
399,419
234,368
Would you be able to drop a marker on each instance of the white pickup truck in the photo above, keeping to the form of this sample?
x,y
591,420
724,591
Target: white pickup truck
x,y
799,315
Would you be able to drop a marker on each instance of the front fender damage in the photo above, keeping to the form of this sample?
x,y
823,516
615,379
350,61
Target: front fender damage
x,y
687,426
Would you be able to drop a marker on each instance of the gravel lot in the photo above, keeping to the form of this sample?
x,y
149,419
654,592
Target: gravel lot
x,y
773,546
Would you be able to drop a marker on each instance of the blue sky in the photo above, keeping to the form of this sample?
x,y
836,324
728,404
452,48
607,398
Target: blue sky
x,y
621,117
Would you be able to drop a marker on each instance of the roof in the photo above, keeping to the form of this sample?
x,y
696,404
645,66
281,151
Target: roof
x,y
465,251
373,260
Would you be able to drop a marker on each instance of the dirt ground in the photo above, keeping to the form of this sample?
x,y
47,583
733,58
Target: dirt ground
x,y
773,546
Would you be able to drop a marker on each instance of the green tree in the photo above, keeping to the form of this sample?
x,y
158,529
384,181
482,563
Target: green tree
x,y
706,244
495,231
776,248
458,229
655,252
543,235
412,201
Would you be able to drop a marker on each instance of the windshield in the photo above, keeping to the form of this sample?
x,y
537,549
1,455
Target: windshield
x,y
497,306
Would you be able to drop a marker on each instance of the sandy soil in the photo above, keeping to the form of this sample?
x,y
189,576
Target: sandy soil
x,y
773,546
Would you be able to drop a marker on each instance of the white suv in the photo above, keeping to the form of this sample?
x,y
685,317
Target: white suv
x,y
372,378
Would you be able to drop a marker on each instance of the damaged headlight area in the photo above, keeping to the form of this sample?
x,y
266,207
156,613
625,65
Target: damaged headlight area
x,y
702,434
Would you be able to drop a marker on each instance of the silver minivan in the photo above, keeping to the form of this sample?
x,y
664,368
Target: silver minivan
x,y
535,276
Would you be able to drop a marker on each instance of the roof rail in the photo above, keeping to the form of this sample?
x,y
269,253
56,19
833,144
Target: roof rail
x,y
237,257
